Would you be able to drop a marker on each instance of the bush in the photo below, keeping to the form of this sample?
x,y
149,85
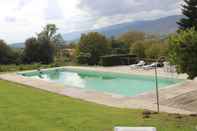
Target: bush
x,y
112,60
183,52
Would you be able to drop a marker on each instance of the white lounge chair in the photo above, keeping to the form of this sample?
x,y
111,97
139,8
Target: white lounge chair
x,y
169,68
134,129
166,66
151,66
139,64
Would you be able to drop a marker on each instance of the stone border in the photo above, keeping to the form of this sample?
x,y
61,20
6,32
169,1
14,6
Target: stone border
x,y
107,93
138,102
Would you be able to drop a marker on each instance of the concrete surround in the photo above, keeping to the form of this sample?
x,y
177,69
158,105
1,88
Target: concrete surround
x,y
142,101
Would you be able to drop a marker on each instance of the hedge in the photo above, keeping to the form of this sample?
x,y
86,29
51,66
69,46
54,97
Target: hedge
x,y
113,60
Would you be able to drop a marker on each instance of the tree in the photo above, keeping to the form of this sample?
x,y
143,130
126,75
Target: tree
x,y
183,52
138,49
49,33
153,51
131,37
31,51
118,47
7,55
47,51
151,48
49,41
190,12
42,48
156,49
93,44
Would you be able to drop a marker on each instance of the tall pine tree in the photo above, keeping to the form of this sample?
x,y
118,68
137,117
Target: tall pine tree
x,y
189,10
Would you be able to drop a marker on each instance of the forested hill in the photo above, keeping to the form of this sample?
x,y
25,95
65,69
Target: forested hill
x,y
160,26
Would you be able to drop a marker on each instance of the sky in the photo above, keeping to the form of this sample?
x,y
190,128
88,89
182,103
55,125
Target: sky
x,y
21,19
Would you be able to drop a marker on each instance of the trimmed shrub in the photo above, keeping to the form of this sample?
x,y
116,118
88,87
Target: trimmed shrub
x,y
113,60
83,58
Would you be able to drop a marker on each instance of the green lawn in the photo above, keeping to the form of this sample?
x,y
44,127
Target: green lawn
x,y
29,109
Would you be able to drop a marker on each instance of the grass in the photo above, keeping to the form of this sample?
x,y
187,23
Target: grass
x,y
27,109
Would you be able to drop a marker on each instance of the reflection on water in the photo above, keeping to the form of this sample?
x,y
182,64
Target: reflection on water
x,y
88,75
72,79
68,78
83,76
108,78
43,77
54,75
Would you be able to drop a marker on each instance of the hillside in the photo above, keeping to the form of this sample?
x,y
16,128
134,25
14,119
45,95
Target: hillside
x,y
160,26
18,45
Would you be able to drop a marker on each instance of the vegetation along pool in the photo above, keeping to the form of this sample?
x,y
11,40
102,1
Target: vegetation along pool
x,y
114,83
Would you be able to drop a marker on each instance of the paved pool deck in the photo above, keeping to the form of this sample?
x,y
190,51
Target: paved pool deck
x,y
169,97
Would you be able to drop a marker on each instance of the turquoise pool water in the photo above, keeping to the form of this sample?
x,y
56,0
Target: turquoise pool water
x,y
115,83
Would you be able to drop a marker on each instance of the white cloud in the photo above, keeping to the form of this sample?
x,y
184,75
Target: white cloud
x,y
117,11
19,23
20,19
117,19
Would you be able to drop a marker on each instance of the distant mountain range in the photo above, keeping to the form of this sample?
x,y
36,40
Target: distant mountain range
x,y
18,45
162,26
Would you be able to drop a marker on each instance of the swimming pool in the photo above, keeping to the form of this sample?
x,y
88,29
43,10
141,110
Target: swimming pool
x,y
113,83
